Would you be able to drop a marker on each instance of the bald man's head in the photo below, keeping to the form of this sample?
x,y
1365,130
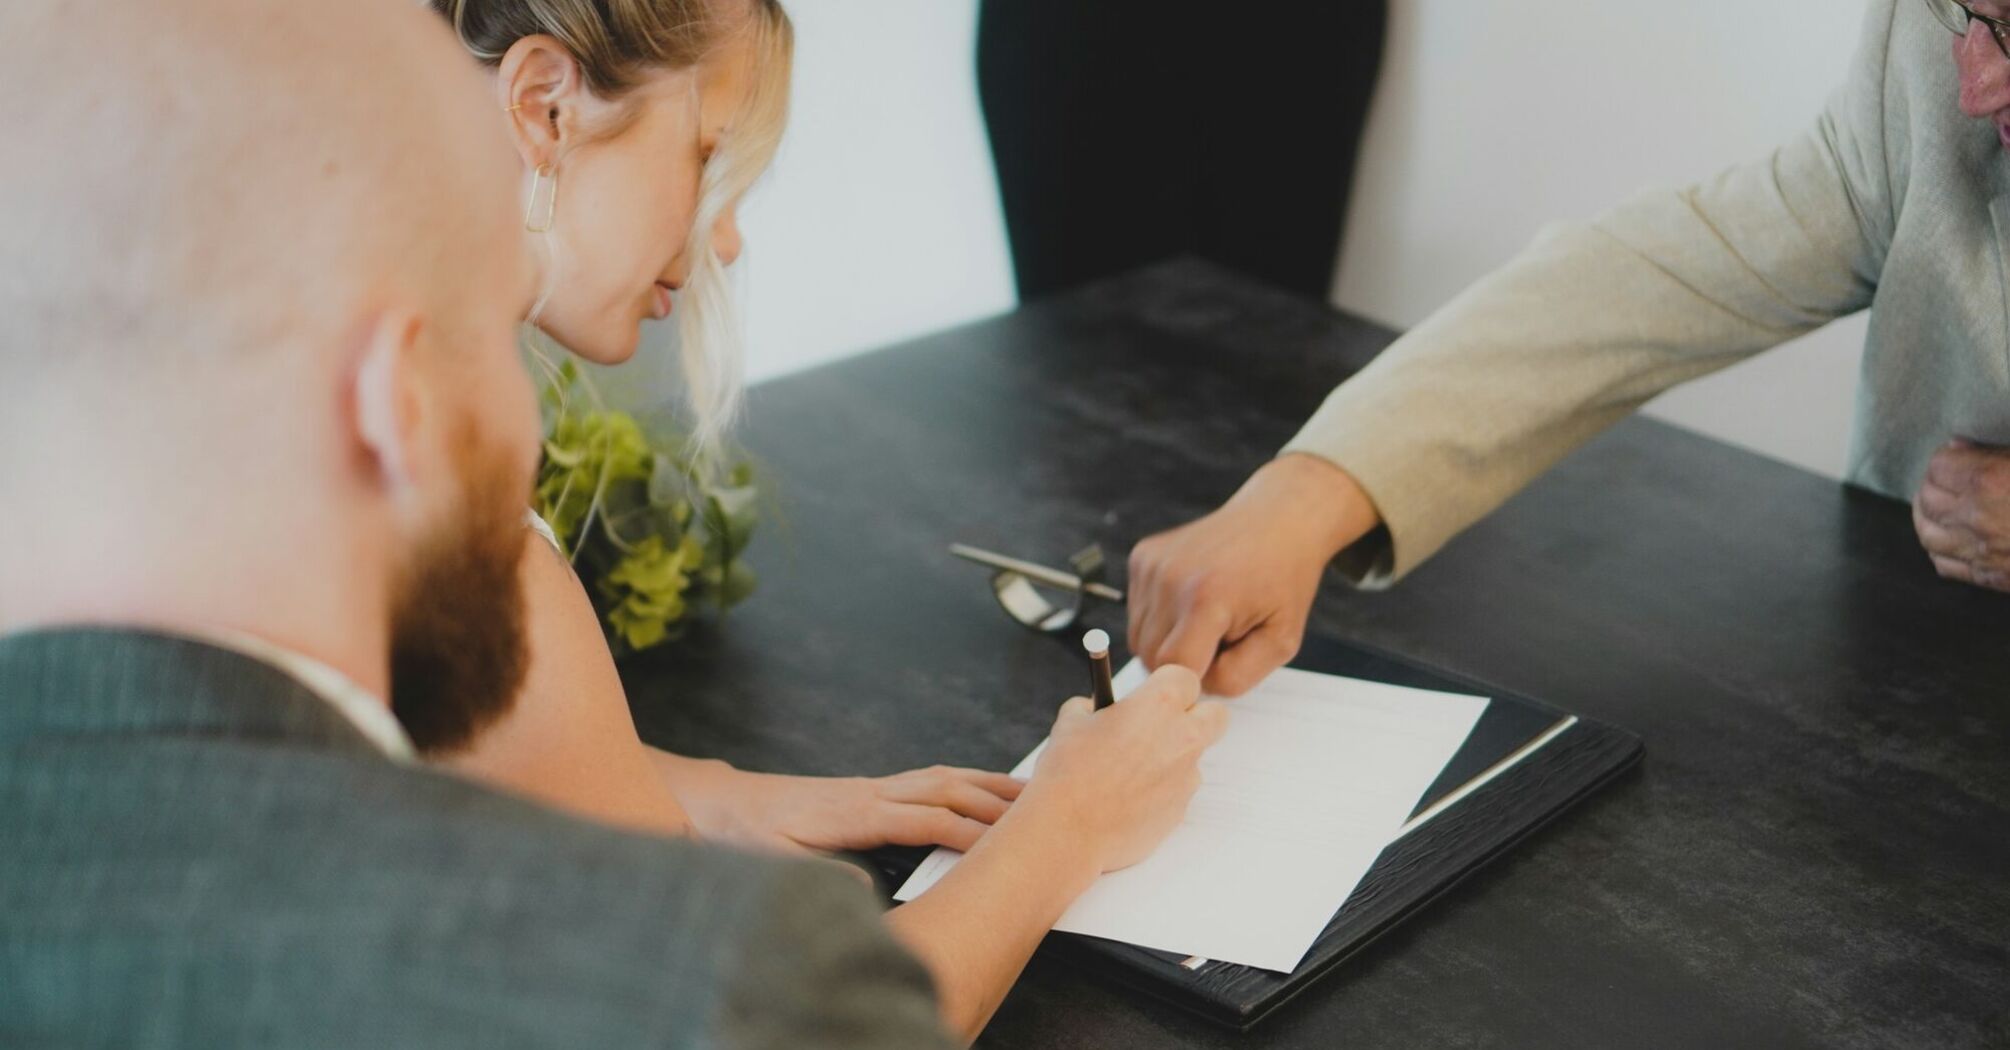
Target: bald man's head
x,y
262,266
218,173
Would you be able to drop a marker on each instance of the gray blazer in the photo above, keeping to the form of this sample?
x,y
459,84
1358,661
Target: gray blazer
x,y
196,852
1894,201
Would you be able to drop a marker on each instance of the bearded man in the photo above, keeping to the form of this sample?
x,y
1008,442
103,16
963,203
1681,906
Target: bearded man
x,y
267,439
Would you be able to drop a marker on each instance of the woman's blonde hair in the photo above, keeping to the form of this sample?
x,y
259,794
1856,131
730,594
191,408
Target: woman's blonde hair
x,y
619,42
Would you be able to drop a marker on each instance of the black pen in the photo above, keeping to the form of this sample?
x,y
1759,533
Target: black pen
x,y
1098,645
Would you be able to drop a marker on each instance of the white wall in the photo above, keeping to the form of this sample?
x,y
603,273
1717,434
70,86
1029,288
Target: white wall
x,y
881,218
1494,118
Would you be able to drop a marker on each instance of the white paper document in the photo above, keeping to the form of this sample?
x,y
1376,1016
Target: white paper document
x,y
1313,777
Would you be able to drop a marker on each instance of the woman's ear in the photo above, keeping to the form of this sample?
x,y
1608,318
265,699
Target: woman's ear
x,y
542,90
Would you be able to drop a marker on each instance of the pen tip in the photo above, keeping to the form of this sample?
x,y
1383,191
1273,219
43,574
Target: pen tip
x,y
1097,641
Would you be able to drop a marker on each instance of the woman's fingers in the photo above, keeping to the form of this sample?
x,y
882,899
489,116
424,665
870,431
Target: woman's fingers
x,y
951,789
913,824
974,802
1003,785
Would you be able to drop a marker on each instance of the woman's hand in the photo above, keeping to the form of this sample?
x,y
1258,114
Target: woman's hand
x,y
1107,789
937,806
1122,777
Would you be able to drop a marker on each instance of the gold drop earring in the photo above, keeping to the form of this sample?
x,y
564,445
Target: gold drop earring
x,y
546,176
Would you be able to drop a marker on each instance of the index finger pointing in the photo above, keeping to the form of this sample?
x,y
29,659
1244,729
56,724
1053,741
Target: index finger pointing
x,y
1248,662
1195,639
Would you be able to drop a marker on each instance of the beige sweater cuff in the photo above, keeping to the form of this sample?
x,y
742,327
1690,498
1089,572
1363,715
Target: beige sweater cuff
x,y
1410,531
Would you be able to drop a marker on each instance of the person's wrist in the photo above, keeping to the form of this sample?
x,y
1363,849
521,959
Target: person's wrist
x,y
702,786
1055,826
1317,495
682,770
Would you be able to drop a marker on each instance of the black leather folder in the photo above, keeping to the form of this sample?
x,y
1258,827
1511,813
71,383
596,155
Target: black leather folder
x,y
1534,761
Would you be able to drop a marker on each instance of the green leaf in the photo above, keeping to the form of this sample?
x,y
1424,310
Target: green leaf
x,y
669,480
735,511
625,510
638,632
562,456
650,568
737,586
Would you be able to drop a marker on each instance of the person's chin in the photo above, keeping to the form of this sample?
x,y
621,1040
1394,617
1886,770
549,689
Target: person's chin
x,y
625,348
610,347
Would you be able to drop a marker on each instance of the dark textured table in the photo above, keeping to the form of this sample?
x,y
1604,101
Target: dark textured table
x,y
1816,851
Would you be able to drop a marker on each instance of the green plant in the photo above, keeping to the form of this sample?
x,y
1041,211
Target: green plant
x,y
653,536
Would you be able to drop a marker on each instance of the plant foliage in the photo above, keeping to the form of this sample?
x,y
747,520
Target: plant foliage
x,y
654,537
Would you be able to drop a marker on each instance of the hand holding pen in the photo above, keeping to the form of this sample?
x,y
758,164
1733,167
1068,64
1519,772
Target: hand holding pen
x,y
1128,771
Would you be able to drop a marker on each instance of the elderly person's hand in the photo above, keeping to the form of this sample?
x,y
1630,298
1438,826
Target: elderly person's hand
x,y
1962,514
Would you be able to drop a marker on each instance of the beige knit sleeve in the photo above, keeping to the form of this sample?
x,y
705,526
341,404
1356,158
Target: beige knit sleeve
x,y
1595,318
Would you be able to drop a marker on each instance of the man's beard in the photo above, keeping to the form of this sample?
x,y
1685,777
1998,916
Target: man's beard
x,y
458,648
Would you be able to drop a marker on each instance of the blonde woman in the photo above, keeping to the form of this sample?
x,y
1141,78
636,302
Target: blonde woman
x,y
640,123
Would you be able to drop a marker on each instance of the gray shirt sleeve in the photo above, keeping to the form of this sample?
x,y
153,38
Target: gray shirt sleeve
x,y
819,968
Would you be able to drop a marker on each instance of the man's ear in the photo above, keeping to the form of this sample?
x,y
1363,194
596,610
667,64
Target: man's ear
x,y
387,403
543,91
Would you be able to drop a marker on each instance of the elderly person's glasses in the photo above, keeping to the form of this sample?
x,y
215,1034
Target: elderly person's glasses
x,y
1958,16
